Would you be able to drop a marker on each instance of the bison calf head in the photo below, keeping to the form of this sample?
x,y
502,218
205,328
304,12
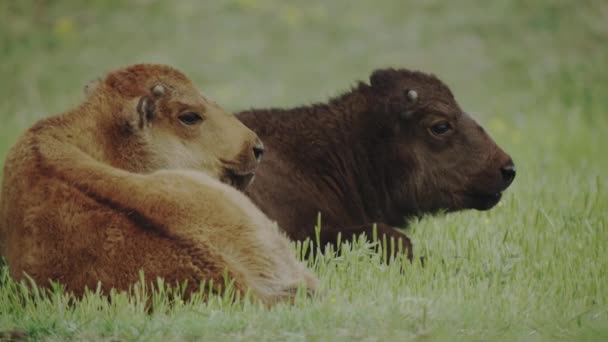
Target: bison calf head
x,y
164,122
439,157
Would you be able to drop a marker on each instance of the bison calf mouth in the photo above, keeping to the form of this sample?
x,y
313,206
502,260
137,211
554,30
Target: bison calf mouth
x,y
481,201
238,179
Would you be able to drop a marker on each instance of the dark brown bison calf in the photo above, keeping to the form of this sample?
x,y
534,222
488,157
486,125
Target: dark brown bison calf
x,y
381,153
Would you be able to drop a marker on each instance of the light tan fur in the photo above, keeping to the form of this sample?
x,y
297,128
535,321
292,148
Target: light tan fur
x,y
120,184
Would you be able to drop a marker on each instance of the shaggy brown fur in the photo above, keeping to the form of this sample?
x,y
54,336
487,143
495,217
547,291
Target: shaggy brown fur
x,y
115,186
377,154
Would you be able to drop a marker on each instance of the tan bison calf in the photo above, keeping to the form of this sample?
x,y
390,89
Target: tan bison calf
x,y
128,181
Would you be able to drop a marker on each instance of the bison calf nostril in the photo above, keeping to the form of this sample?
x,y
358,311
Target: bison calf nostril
x,y
508,172
258,152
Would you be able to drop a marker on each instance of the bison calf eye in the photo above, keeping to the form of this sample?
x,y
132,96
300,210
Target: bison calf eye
x,y
441,128
190,118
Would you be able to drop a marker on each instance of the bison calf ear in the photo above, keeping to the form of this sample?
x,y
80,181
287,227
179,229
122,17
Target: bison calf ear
x,y
146,108
382,79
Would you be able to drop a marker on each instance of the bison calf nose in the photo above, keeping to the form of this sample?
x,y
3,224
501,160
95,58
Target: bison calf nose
x,y
508,173
258,151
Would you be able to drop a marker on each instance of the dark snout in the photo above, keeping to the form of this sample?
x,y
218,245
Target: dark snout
x,y
495,174
493,182
508,173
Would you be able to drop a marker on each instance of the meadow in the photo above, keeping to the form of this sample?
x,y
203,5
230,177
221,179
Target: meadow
x,y
533,73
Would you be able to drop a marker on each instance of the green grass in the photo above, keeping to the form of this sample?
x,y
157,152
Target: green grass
x,y
535,74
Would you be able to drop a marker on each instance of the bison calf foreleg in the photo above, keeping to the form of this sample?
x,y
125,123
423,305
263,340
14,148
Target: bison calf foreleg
x,y
402,244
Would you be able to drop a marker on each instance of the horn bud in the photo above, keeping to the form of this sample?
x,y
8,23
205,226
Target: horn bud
x,y
158,90
412,95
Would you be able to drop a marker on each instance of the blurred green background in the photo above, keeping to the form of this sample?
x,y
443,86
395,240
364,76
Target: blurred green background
x,y
514,64
534,73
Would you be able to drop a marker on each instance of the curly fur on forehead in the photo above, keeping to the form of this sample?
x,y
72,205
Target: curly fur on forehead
x,y
389,79
135,80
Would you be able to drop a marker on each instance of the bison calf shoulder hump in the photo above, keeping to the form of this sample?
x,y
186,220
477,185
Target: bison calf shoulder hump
x,y
395,148
129,181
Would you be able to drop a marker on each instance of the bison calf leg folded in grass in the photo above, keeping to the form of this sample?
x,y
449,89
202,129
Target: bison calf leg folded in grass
x,y
128,181
393,149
